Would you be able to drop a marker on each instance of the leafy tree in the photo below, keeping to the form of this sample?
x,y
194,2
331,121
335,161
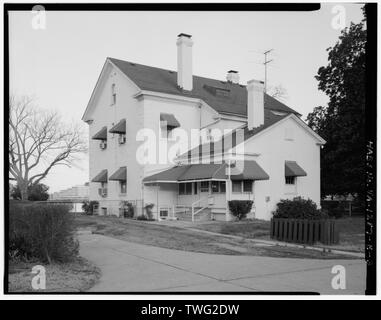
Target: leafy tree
x,y
342,122
36,192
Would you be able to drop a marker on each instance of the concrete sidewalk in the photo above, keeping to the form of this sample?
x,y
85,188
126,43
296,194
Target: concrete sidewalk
x,y
132,267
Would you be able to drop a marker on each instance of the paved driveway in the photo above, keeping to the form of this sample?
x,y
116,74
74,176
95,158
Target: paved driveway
x,y
131,267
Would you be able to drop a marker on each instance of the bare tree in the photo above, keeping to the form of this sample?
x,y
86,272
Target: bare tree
x,y
38,141
278,92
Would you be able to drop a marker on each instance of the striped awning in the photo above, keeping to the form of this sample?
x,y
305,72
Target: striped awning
x,y
101,134
170,120
119,175
100,177
292,169
120,127
247,170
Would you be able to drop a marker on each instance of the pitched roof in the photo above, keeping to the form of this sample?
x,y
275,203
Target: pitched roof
x,y
223,96
218,147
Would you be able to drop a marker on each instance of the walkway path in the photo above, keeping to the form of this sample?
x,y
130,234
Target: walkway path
x,y
132,267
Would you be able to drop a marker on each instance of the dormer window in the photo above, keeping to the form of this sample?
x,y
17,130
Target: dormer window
x,y
113,94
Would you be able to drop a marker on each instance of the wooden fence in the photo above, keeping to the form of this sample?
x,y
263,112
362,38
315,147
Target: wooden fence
x,y
305,231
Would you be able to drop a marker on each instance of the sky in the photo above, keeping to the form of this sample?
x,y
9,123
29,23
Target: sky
x,y
59,65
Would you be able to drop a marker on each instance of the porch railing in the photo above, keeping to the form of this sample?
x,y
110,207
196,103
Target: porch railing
x,y
199,210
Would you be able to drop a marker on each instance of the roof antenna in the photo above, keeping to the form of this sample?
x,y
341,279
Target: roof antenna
x,y
265,64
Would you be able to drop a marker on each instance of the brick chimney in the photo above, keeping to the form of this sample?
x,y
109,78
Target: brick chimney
x,y
184,61
232,76
255,104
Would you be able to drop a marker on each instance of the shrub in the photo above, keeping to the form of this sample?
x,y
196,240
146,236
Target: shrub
x,y
88,207
240,208
334,209
148,207
127,208
42,231
298,208
142,217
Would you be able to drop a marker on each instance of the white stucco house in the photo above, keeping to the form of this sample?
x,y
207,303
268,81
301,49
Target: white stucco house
x,y
189,144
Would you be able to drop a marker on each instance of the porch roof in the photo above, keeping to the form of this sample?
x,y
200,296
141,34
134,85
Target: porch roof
x,y
169,175
292,169
246,170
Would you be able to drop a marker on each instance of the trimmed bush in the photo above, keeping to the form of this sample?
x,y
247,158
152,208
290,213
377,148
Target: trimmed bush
x,y
142,217
88,207
298,208
240,208
42,231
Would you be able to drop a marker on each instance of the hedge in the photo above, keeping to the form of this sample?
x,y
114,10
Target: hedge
x,y
42,231
298,208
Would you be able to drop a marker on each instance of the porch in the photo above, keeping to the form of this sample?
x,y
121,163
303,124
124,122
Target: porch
x,y
200,192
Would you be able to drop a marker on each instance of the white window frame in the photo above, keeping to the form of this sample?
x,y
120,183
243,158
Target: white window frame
x,y
121,183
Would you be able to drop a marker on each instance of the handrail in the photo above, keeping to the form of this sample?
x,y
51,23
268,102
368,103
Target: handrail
x,y
199,210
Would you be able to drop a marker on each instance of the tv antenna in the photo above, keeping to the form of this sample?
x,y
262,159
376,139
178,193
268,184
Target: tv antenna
x,y
265,64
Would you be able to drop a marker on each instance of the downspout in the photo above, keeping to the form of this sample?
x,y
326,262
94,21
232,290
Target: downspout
x,y
228,191
157,202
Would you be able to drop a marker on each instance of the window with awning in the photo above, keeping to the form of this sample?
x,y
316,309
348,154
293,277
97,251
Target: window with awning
x,y
119,175
119,128
169,120
292,169
101,134
100,177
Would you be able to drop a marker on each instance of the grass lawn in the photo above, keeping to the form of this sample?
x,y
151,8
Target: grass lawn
x,y
351,229
248,228
77,276
173,237
352,234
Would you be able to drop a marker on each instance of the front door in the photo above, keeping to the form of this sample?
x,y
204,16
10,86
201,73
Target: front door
x,y
204,192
